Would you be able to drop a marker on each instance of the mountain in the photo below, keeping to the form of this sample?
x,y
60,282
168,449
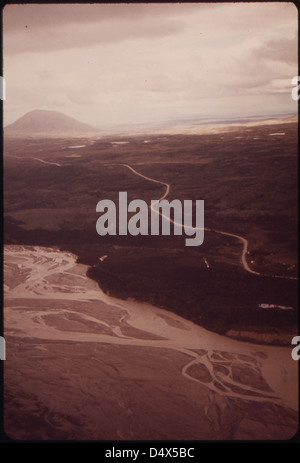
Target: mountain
x,y
44,122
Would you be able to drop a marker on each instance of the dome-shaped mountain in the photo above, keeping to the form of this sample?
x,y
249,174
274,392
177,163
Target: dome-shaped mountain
x,y
47,122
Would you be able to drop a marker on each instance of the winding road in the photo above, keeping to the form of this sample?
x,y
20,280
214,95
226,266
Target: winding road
x,y
35,159
244,241
167,186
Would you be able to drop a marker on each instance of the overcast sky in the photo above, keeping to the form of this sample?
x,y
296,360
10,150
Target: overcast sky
x,y
139,63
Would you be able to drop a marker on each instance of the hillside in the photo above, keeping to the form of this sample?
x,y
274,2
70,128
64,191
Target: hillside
x,y
47,122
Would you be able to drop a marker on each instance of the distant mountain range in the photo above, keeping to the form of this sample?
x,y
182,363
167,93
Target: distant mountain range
x,y
40,122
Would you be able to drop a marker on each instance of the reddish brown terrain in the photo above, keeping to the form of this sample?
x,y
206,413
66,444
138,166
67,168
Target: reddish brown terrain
x,y
195,339
83,365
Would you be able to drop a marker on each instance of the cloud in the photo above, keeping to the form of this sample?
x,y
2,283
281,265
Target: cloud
x,y
86,35
53,27
16,17
279,49
105,63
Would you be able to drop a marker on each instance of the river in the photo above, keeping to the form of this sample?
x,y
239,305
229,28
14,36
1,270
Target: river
x,y
54,310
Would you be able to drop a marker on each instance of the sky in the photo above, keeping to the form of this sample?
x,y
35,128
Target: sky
x,y
113,64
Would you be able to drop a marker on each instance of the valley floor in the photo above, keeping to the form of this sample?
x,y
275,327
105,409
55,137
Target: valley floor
x,y
81,365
